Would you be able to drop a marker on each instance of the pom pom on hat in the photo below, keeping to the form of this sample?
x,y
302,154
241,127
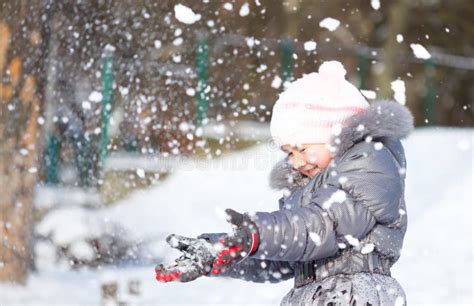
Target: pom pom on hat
x,y
312,107
332,69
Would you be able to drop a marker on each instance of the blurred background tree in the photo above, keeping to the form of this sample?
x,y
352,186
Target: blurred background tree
x,y
23,49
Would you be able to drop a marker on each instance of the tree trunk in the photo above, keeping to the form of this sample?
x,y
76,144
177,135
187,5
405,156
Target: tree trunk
x,y
22,57
397,20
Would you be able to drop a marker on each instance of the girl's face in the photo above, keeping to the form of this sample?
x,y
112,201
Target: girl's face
x,y
308,159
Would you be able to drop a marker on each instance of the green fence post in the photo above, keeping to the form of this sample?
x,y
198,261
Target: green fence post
x,y
107,83
287,60
83,160
53,146
364,65
430,93
202,63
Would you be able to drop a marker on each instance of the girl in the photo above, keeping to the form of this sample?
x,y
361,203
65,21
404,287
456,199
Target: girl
x,y
341,222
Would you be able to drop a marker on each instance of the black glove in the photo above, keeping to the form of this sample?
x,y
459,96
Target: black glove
x,y
197,259
236,247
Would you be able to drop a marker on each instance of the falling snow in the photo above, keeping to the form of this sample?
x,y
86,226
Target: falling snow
x,y
369,94
277,81
315,237
420,52
244,10
352,240
95,96
310,45
329,23
185,15
378,146
375,4
337,197
367,248
398,87
228,6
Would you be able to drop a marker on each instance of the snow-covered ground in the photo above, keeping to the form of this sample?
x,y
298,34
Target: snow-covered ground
x,y
436,266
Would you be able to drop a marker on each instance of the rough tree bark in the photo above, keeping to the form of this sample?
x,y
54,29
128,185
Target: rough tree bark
x,y
22,54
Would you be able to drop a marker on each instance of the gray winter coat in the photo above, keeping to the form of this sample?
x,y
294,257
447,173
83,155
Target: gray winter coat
x,y
339,232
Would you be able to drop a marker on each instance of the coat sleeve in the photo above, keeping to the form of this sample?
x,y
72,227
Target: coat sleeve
x,y
362,190
260,271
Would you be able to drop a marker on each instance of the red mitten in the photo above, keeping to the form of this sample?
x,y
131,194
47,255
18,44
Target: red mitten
x,y
238,246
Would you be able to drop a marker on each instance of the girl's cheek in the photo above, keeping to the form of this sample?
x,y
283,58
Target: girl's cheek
x,y
325,158
319,158
311,157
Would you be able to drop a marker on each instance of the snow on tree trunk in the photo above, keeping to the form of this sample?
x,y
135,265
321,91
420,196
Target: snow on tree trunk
x,y
22,51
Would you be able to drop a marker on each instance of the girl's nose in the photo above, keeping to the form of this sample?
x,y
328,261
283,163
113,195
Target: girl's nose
x,y
297,163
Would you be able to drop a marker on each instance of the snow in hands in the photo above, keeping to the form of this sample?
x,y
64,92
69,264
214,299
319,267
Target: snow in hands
x,y
196,261
210,253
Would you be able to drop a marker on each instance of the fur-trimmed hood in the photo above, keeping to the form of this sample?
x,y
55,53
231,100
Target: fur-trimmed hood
x,y
380,119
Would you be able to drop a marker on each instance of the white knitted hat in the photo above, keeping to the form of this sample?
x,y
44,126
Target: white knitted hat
x,y
312,108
